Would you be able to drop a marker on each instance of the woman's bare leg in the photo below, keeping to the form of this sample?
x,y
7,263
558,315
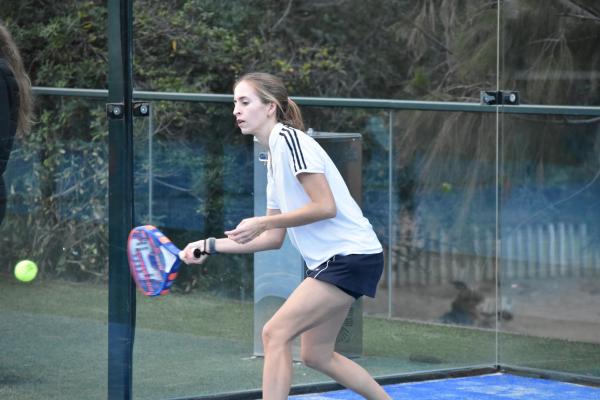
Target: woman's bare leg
x,y
317,352
316,310
311,304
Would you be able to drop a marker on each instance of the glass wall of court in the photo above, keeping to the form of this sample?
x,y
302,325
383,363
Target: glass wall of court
x,y
486,213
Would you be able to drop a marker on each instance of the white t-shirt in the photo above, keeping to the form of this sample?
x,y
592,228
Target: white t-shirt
x,y
293,152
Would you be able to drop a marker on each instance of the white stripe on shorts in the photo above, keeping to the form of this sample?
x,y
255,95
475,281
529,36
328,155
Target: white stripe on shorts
x,y
326,266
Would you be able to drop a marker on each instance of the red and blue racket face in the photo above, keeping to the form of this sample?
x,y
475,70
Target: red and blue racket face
x,y
153,260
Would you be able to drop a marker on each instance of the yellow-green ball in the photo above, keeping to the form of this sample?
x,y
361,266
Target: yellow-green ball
x,y
26,270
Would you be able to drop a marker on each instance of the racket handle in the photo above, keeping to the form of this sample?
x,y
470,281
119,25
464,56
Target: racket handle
x,y
197,253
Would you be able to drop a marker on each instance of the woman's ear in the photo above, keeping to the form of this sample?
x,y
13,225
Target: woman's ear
x,y
272,110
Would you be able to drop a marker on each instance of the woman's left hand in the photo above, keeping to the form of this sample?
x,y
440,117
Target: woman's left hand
x,y
247,230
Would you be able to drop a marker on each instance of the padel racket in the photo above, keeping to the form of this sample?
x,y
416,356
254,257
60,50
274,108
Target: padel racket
x,y
153,260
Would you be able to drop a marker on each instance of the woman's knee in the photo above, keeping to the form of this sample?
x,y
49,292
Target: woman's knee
x,y
273,336
315,359
266,334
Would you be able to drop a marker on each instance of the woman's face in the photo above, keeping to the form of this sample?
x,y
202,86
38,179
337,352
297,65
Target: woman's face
x,y
251,114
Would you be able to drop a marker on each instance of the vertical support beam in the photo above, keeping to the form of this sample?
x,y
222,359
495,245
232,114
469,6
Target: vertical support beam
x,y
121,290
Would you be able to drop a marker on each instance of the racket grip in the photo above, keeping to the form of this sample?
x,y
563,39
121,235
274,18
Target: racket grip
x,y
197,253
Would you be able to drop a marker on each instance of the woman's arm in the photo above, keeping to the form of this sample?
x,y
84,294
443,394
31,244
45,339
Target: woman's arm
x,y
321,206
268,232
268,240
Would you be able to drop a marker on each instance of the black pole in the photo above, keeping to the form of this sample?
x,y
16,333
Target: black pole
x,y
121,290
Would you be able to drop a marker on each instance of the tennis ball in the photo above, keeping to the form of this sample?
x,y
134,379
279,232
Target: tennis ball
x,y
26,270
447,187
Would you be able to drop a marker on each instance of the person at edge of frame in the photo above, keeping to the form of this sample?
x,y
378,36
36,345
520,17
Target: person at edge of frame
x,y
15,103
307,198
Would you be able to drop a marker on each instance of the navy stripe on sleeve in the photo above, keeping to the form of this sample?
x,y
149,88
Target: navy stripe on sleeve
x,y
291,150
299,149
291,138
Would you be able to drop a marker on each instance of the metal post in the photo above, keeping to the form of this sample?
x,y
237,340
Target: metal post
x,y
391,220
121,291
150,165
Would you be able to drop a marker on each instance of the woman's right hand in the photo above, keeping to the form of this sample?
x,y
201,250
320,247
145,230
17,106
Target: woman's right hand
x,y
187,254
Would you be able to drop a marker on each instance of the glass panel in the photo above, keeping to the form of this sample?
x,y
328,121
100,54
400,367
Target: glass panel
x,y
549,190
206,321
550,53
194,179
54,335
198,180
441,276
550,258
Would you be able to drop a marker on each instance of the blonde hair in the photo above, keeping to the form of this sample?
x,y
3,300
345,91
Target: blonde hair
x,y
10,52
270,89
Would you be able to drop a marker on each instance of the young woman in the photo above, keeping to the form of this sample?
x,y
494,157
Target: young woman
x,y
307,197
15,103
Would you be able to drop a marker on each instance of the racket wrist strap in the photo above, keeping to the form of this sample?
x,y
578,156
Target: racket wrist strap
x,y
211,248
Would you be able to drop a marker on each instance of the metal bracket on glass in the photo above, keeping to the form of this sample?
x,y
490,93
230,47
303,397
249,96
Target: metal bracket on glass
x,y
115,110
500,97
141,109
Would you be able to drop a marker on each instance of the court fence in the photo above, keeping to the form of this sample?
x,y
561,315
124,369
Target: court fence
x,y
550,250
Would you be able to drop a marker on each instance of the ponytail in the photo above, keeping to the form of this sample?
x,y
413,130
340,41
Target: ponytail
x,y
291,115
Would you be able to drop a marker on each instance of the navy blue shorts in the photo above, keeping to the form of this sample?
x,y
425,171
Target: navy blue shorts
x,y
355,274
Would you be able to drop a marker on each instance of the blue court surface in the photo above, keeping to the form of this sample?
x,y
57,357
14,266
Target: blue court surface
x,y
484,387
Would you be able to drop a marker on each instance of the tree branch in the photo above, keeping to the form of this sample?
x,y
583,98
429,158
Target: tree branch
x,y
580,10
284,16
